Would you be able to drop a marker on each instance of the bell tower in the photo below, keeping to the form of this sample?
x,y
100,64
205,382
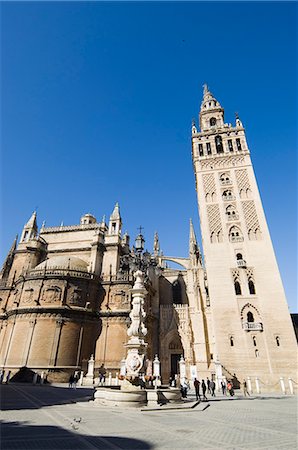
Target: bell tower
x,y
252,327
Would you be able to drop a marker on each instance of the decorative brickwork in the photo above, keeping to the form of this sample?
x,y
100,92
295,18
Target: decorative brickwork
x,y
222,162
209,183
250,215
242,179
213,213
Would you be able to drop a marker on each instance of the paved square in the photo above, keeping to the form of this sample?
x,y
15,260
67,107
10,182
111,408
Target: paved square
x,y
55,417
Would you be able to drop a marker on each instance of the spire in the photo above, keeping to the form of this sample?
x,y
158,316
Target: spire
x,y
193,246
209,101
30,229
156,246
238,121
115,221
194,249
9,260
116,213
32,222
211,113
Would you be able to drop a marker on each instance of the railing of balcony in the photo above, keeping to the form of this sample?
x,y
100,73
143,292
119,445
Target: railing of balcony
x,y
229,198
252,326
225,182
236,238
241,263
231,217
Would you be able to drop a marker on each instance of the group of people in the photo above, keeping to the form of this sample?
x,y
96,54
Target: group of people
x,y
202,387
209,387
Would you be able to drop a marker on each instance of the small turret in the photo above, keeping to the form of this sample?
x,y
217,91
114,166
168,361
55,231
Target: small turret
x,y
87,219
211,114
115,222
238,121
30,229
194,249
156,246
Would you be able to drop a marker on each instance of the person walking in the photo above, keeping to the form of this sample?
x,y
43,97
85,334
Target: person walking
x,y
204,388
70,381
197,385
230,388
208,386
184,387
212,387
245,391
223,388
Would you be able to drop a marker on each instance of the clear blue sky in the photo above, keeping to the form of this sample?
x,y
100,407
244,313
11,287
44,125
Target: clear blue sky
x,y
97,102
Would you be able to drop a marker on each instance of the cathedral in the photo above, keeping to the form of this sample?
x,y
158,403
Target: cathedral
x,y
65,291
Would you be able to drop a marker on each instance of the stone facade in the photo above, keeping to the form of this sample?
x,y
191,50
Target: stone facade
x,y
65,292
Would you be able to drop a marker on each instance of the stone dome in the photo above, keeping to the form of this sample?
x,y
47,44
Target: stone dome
x,y
64,262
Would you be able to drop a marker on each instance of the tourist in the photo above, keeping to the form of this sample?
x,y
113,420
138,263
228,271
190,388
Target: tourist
x,y
223,388
230,388
70,381
102,375
208,386
184,387
197,388
204,387
212,387
245,391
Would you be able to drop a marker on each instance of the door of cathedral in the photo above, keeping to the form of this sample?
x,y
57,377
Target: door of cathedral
x,y
175,358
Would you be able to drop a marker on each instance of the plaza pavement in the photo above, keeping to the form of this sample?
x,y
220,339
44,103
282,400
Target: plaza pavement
x,y
56,417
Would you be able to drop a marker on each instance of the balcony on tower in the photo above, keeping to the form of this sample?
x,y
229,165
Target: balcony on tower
x,y
252,326
228,196
241,263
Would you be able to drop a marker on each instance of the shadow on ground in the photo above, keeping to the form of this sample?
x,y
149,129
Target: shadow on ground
x,y
16,397
23,436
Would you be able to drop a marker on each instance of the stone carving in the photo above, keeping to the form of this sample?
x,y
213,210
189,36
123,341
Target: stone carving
x,y
51,294
27,296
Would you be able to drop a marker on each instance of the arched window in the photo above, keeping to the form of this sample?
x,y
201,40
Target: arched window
x,y
251,287
219,236
225,179
212,121
235,234
250,317
231,213
239,256
218,144
237,287
177,294
257,353
231,341
254,339
208,198
227,195
212,237
277,341
257,234
213,197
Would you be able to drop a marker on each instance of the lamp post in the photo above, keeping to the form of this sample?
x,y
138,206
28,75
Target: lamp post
x,y
139,263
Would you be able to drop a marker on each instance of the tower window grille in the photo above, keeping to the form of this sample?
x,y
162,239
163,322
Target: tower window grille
x,y
218,144
238,143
